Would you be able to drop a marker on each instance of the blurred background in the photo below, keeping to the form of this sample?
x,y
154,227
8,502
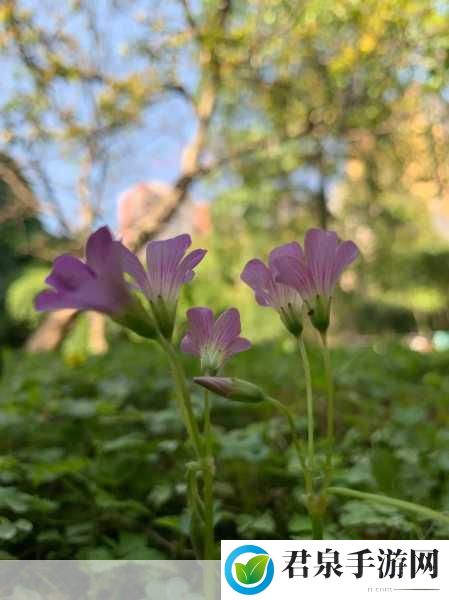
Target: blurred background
x,y
243,123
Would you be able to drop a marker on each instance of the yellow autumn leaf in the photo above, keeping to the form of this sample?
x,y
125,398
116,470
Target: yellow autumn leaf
x,y
367,43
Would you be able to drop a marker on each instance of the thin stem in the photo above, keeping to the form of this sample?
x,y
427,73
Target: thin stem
x,y
317,526
380,499
330,402
207,423
208,483
183,397
197,504
315,515
296,440
309,397
316,506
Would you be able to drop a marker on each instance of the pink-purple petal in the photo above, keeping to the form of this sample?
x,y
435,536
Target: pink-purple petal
x,y
214,341
201,322
68,273
184,271
164,256
97,248
294,274
320,247
52,300
319,243
226,328
346,254
132,265
222,386
293,250
240,344
88,297
97,285
189,346
257,276
167,269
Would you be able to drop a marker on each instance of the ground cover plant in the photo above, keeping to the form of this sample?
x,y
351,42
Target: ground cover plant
x,y
93,455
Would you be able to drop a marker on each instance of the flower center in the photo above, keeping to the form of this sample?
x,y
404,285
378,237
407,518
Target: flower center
x,y
212,359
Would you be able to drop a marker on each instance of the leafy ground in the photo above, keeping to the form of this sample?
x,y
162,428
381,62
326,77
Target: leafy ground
x,y
92,454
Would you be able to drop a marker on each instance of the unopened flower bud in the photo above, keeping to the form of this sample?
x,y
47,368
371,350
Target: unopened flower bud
x,y
232,388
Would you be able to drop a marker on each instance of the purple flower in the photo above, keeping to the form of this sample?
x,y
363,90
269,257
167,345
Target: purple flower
x,y
232,388
167,270
268,292
315,271
213,341
98,283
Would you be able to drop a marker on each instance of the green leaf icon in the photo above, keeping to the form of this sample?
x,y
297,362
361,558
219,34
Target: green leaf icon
x,y
254,569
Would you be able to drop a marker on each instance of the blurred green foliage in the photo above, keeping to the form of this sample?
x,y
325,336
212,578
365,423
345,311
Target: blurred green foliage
x,y
21,293
316,114
16,254
92,456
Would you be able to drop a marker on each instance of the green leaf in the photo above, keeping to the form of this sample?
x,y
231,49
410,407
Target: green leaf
x,y
134,546
24,525
254,569
125,442
7,530
251,524
385,468
13,499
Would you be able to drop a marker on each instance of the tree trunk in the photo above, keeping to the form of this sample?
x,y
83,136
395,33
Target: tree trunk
x,y
50,333
321,206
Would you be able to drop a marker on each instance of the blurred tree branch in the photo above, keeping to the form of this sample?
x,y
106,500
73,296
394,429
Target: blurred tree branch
x,y
290,101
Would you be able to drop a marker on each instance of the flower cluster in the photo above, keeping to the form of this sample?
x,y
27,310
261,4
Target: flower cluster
x,y
295,276
111,274
113,281
269,291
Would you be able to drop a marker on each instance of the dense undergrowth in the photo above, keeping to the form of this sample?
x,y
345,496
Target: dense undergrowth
x,y
92,455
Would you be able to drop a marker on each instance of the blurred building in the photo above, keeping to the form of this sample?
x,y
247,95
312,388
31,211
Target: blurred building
x,y
440,217
137,202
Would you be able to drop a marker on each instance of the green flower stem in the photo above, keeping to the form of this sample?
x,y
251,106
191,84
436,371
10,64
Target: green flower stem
x,y
423,511
317,503
317,525
330,403
202,446
309,397
315,515
209,540
296,441
197,505
183,396
206,421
